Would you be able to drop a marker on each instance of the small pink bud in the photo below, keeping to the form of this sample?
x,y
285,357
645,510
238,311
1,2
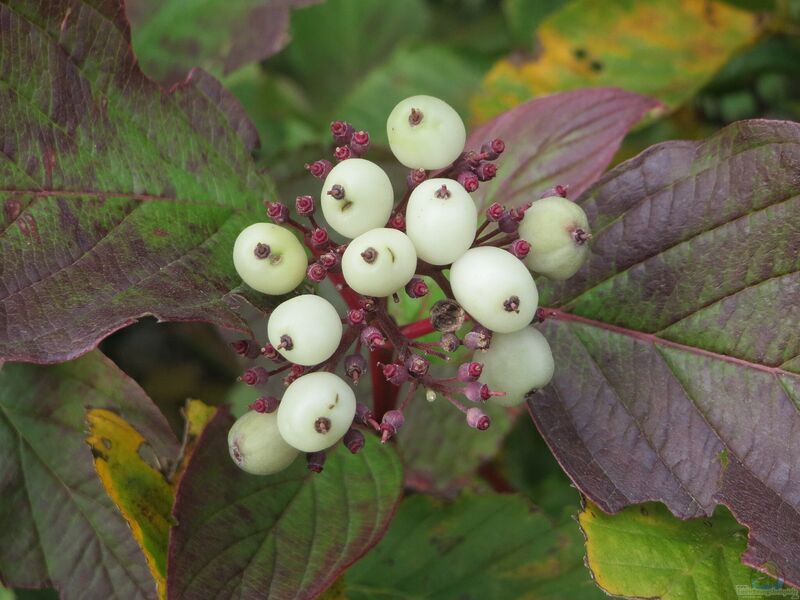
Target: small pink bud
x,y
319,237
316,272
246,348
498,146
468,180
390,424
270,352
486,171
556,190
394,373
478,339
520,248
354,440
398,221
480,392
495,212
255,376
477,419
356,316
342,132
508,224
417,365
342,153
470,371
518,213
278,211
415,177
416,288
359,143
304,205
329,259
320,168
265,404
315,461
449,342
354,366
372,338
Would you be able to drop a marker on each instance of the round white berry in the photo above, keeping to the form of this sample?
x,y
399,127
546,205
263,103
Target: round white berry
x,y
357,196
425,133
516,363
495,288
558,231
316,411
305,329
441,220
256,445
269,258
379,262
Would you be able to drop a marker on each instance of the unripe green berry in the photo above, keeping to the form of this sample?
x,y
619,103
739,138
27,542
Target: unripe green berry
x,y
494,287
558,231
316,411
441,220
379,262
516,363
425,133
269,258
305,329
256,445
357,196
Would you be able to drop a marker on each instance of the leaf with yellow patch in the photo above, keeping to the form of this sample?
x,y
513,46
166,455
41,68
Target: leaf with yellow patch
x,y
196,414
138,488
666,49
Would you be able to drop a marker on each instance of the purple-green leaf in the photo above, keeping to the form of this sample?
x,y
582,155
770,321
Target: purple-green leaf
x,y
59,528
563,139
676,345
289,535
171,37
117,200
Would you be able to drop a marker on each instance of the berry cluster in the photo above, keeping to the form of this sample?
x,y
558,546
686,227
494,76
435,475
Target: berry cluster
x,y
484,271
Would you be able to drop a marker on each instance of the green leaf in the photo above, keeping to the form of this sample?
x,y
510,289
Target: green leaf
x,y
492,546
409,71
614,43
525,16
440,451
289,535
118,200
172,36
645,552
59,526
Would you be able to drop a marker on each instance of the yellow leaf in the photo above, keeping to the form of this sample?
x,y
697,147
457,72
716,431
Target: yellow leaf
x,y
666,49
139,489
197,415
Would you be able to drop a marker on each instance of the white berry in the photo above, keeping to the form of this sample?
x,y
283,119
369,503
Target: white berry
x,y
379,262
305,329
316,411
441,220
357,196
495,288
269,258
516,363
557,230
256,445
425,133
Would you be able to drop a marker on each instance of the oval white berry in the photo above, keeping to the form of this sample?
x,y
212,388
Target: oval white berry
x,y
516,363
495,288
269,258
379,262
441,220
305,329
557,230
357,196
316,411
256,445
425,132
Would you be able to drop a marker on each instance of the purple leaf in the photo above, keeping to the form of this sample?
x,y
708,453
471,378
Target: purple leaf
x,y
59,527
676,346
289,535
563,139
118,200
